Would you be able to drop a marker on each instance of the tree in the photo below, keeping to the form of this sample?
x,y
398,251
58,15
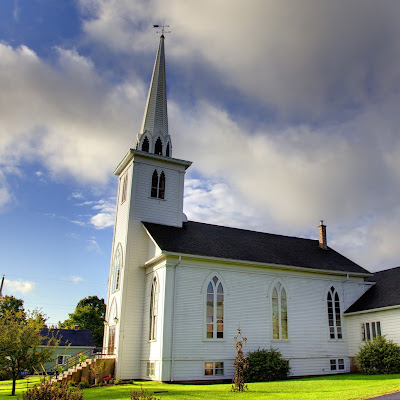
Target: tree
x,y
89,314
11,304
22,345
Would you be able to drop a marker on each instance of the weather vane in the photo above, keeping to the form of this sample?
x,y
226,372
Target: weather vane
x,y
162,27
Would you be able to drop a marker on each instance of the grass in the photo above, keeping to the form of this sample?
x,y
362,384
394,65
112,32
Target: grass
x,y
334,387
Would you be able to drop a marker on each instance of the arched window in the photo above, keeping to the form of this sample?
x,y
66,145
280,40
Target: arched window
x,y
158,147
124,188
279,313
158,185
145,144
117,269
154,184
334,317
161,186
153,310
215,309
167,150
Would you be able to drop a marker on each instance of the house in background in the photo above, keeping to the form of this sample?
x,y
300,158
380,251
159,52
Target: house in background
x,y
72,342
376,312
178,289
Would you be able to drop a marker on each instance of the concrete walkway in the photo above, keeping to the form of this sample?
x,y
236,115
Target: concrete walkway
x,y
393,396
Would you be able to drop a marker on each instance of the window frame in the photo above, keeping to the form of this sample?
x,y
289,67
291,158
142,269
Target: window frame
x,y
218,314
280,289
370,330
116,273
158,185
124,188
337,364
214,367
153,310
151,369
333,303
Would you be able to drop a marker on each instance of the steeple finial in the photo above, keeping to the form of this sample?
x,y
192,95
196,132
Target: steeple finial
x,y
163,26
153,136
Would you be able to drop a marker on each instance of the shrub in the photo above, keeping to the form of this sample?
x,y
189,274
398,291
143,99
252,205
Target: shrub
x,y
142,395
84,384
266,365
48,392
379,356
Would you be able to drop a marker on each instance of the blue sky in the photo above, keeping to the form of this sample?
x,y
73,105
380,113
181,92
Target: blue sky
x,y
289,112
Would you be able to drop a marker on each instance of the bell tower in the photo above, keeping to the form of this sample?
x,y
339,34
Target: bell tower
x,y
150,189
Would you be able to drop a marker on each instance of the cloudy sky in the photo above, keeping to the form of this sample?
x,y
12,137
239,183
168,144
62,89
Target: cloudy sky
x,y
289,111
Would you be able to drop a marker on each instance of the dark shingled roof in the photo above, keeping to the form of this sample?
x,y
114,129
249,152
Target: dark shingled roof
x,y
238,244
384,293
70,337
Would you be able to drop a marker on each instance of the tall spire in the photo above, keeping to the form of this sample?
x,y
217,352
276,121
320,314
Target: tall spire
x,y
153,136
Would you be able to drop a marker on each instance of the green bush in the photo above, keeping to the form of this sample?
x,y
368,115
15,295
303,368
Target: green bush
x,y
84,384
47,391
379,356
266,365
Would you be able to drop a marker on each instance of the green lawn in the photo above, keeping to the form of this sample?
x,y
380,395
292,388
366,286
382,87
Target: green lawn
x,y
337,387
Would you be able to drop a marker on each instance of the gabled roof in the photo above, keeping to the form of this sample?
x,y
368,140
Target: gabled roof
x,y
385,292
206,240
71,337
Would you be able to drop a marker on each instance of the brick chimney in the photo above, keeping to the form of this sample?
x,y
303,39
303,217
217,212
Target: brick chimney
x,y
322,236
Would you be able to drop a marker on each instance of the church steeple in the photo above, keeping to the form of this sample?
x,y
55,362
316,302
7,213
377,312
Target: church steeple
x,y
153,136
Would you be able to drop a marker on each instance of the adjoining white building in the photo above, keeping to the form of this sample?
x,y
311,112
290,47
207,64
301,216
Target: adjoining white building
x,y
179,289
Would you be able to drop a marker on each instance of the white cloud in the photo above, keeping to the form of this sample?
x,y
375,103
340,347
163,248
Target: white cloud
x,y
106,215
62,115
19,286
92,245
76,279
77,195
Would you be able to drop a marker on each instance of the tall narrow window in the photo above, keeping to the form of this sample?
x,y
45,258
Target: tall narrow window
x,y
153,310
124,188
334,317
117,270
111,339
161,186
154,184
215,309
167,150
158,147
279,313
146,145
158,185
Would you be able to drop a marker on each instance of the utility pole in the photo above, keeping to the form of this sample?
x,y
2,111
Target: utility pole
x,y
1,288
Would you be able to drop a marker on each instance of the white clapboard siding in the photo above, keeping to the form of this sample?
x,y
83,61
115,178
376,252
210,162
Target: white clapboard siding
x,y
247,301
390,326
137,248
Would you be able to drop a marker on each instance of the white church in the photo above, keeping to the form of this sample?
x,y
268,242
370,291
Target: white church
x,y
178,289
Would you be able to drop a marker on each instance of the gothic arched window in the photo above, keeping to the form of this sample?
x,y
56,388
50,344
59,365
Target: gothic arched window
x,y
145,144
161,186
158,147
215,309
154,184
116,269
124,188
153,310
158,185
334,317
279,313
167,150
